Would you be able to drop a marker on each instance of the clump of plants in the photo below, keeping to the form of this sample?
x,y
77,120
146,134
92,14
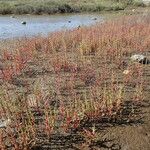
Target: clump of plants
x,y
58,84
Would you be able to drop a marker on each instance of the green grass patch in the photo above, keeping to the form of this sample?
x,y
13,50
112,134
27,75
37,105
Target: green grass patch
x,y
66,6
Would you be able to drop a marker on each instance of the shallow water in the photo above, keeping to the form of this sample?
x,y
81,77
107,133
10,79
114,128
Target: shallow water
x,y
12,27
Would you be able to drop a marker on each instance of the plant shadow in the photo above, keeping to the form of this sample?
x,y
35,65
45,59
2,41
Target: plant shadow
x,y
130,114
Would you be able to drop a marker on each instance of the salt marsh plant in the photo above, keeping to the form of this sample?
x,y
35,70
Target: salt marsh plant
x,y
52,85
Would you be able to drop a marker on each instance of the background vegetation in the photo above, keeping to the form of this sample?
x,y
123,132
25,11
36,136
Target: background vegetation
x,y
65,6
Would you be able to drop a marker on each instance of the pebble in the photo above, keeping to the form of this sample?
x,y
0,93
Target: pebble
x,y
126,72
4,123
24,22
140,58
94,18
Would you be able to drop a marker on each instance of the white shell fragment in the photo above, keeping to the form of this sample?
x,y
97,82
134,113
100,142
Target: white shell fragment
x,y
126,72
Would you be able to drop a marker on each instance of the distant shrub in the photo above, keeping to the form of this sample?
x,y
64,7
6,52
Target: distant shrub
x,y
139,4
118,7
65,8
5,11
100,8
5,8
23,9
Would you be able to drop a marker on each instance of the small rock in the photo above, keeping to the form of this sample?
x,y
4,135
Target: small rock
x,y
79,27
13,16
140,58
126,72
4,123
94,18
24,22
133,10
146,2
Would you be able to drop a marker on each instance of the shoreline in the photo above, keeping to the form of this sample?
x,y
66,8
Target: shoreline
x,y
107,16
127,11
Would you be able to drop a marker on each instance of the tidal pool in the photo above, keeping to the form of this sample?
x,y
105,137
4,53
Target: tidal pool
x,y
12,27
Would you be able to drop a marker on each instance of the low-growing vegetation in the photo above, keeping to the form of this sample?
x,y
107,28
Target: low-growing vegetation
x,y
65,6
59,87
